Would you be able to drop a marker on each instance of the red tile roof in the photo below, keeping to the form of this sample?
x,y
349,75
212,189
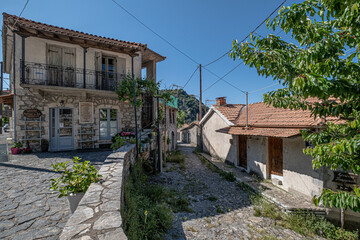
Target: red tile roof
x,y
261,115
25,23
230,111
263,132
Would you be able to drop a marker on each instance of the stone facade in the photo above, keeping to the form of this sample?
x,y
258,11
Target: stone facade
x,y
27,62
169,129
27,99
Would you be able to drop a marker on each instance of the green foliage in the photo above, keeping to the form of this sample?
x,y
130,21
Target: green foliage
x,y
181,115
319,71
303,223
75,181
176,157
146,214
125,90
119,141
17,145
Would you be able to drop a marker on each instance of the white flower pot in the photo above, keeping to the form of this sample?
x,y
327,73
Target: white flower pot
x,y
74,200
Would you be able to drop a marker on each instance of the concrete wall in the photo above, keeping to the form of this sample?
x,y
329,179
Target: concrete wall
x,y
257,155
298,172
218,144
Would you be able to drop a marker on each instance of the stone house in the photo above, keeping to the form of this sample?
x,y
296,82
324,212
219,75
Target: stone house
x,y
190,133
271,147
62,85
169,125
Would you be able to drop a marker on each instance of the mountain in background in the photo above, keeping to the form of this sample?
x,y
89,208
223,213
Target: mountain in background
x,y
189,105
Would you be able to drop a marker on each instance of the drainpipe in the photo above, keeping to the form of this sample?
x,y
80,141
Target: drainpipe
x,y
134,92
84,67
14,90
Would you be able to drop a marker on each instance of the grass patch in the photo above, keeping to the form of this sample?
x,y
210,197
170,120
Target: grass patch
x,y
305,224
176,157
146,214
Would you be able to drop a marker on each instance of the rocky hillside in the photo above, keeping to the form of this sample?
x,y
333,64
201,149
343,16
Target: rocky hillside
x,y
189,105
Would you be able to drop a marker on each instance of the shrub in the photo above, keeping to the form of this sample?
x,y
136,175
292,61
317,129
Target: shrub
x,y
75,181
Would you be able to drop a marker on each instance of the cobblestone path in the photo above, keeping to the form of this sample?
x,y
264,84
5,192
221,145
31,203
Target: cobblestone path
x,y
28,209
221,209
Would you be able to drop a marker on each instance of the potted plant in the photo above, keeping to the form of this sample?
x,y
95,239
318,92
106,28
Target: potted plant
x,y
44,145
74,184
16,147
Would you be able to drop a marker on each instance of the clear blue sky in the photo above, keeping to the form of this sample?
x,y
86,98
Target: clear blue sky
x,y
203,29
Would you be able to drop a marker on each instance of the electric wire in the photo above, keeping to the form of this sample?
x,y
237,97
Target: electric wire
x,y
247,35
263,88
222,78
190,78
162,38
21,12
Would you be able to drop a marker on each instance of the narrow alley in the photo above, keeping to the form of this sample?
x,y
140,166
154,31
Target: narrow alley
x,y
219,209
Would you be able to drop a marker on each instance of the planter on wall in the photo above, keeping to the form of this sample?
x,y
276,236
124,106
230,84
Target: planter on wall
x,y
74,200
15,151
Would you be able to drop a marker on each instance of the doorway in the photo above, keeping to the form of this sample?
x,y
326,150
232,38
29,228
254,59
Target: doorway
x,y
275,148
242,151
61,129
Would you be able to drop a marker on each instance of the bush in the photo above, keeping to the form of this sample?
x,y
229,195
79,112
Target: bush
x,y
75,181
176,157
146,214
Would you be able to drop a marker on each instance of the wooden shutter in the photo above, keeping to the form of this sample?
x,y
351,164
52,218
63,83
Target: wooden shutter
x,y
68,63
53,60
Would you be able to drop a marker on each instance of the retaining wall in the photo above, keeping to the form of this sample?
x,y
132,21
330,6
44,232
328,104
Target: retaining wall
x,y
98,215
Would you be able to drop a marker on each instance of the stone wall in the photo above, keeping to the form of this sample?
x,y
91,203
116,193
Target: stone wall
x,y
98,214
43,101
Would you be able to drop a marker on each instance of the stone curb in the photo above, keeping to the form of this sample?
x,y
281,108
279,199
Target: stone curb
x,y
258,191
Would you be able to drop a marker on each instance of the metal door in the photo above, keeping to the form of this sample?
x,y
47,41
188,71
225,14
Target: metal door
x,y
61,129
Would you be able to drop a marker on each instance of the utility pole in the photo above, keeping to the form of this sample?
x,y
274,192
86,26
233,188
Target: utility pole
x,y
159,166
200,102
247,110
135,115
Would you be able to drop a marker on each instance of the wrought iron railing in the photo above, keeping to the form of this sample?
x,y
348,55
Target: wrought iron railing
x,y
65,76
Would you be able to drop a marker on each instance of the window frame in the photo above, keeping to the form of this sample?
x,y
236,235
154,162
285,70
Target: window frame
x,y
108,126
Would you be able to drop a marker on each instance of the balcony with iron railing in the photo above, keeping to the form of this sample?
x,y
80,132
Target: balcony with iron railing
x,y
67,76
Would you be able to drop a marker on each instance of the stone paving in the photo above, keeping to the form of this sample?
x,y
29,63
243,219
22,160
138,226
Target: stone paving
x,y
220,209
28,209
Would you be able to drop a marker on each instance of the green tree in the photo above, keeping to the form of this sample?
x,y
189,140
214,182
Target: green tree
x,y
181,115
321,62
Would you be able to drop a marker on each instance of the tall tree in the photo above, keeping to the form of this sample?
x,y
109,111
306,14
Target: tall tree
x,y
321,62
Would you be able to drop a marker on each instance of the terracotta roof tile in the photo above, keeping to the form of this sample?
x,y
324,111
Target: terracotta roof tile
x,y
68,32
261,115
230,111
263,132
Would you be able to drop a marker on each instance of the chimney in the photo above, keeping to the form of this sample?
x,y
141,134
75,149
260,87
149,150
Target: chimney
x,y
221,101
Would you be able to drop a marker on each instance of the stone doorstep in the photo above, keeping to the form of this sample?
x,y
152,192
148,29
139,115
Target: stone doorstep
x,y
270,195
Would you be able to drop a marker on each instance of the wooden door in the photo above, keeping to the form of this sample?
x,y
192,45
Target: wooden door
x,y
242,151
275,147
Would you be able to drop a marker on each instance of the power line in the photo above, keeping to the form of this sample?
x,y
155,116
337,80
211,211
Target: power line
x,y
190,77
263,88
162,38
21,12
248,34
222,78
